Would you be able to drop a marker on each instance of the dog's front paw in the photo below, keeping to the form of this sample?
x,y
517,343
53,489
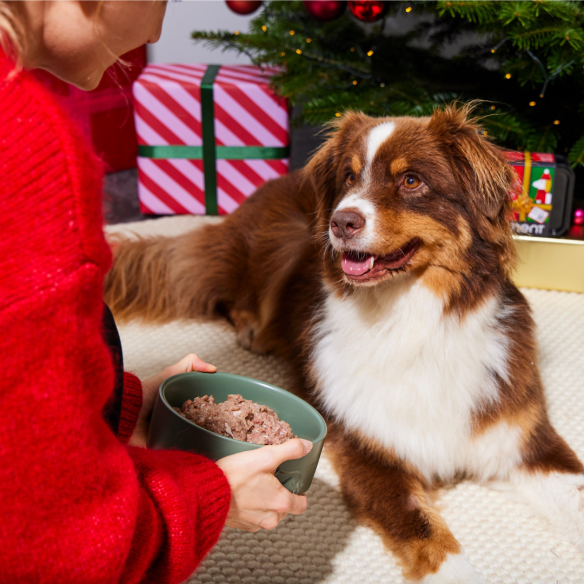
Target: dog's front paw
x,y
573,520
455,569
245,336
245,325
560,498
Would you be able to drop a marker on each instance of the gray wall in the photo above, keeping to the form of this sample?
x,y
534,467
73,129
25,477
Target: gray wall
x,y
175,44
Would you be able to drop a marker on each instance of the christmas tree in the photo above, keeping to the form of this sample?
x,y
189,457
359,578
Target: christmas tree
x,y
525,66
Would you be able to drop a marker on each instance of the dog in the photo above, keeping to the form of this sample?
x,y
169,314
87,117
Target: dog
x,y
381,271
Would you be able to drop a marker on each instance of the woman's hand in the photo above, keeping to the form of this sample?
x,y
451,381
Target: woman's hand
x,y
258,499
150,387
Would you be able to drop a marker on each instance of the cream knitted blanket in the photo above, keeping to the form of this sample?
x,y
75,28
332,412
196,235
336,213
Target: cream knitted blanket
x,y
505,543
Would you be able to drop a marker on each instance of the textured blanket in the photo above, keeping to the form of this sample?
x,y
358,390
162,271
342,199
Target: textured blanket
x,y
505,543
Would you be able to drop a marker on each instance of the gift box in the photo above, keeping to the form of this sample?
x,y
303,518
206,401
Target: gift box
x,y
208,136
105,114
542,196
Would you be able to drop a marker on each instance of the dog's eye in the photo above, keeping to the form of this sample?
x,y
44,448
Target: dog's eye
x,y
411,182
350,179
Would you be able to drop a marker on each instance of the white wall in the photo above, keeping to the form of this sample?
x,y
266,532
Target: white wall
x,y
182,18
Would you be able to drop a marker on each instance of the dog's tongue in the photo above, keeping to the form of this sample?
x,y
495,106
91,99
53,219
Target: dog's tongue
x,y
356,267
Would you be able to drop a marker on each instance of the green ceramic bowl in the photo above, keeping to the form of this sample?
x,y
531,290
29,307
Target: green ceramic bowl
x,y
170,430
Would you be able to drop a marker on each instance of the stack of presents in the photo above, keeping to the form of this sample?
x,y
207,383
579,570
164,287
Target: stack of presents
x,y
205,137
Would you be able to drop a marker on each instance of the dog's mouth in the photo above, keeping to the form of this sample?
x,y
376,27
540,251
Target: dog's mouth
x,y
365,266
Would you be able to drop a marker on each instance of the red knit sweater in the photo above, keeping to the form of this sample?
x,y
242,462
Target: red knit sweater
x,y
76,504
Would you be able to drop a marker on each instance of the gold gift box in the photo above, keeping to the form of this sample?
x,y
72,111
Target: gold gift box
x,y
551,264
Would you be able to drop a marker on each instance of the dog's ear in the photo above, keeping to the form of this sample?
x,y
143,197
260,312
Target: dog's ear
x,y
480,166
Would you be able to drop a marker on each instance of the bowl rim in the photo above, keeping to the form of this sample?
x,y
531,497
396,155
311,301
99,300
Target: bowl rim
x,y
321,436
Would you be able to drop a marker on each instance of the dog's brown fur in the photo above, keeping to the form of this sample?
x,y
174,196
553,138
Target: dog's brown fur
x,y
268,267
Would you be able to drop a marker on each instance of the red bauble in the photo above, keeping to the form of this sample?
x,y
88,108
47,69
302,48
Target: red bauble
x,y
243,6
368,10
324,10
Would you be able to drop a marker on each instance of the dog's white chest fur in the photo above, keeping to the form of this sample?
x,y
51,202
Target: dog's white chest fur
x,y
391,365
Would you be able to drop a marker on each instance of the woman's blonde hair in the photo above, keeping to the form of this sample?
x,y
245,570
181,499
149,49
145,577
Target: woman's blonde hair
x,y
12,32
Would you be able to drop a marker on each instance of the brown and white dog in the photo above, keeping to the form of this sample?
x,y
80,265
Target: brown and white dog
x,y
382,272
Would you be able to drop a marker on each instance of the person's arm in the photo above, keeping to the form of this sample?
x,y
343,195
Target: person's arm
x,y
76,504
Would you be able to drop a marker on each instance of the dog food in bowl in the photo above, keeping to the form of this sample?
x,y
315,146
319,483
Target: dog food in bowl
x,y
237,418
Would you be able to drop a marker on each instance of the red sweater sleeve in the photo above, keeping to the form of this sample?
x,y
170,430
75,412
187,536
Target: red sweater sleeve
x,y
76,504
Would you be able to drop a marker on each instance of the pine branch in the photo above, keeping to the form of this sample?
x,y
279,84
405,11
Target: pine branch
x,y
576,156
523,50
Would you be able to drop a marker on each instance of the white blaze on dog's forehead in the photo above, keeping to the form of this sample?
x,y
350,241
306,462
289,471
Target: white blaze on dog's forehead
x,y
377,137
356,201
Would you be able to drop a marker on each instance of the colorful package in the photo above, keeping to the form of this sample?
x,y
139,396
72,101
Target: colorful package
x,y
542,196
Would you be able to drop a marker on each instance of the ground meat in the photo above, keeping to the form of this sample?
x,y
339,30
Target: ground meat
x,y
237,418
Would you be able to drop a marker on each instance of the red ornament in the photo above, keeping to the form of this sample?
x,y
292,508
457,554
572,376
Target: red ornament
x,y
325,10
243,6
368,10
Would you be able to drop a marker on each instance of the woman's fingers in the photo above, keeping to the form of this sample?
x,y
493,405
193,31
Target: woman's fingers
x,y
298,504
271,457
191,363
257,497
285,502
270,521
200,365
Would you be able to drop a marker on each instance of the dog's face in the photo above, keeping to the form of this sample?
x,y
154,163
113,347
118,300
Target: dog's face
x,y
397,195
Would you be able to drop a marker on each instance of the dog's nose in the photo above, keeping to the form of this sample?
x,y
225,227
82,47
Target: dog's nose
x,y
345,224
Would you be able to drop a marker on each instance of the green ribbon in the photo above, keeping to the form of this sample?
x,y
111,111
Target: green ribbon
x,y
221,152
208,151
208,123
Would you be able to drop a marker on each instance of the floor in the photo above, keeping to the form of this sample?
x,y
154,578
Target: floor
x,y
120,198
505,542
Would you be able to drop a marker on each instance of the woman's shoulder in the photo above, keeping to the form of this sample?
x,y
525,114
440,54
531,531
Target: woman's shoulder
x,y
50,187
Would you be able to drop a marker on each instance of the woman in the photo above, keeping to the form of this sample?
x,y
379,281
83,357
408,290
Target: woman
x,y
78,504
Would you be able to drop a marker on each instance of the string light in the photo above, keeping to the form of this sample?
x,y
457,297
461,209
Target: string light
x,y
352,49
508,76
292,33
282,53
338,114
299,51
370,53
492,50
493,107
382,85
236,32
409,9
354,82
308,40
532,103
264,28
556,122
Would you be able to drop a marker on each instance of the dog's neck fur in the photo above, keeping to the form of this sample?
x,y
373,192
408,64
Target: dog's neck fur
x,y
393,366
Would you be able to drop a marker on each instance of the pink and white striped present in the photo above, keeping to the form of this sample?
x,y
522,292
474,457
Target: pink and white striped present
x,y
208,136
